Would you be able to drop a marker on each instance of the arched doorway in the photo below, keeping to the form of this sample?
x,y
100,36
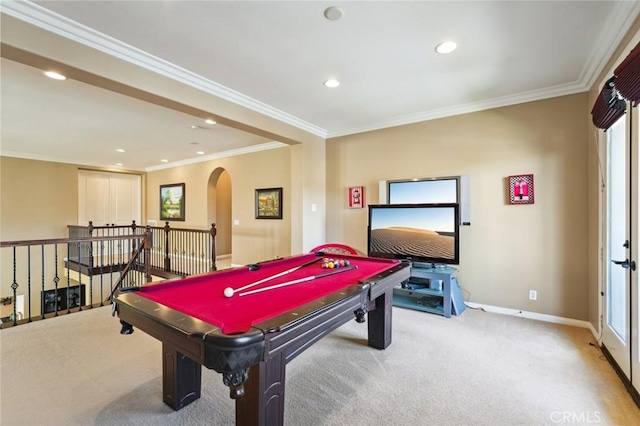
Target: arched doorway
x,y
219,212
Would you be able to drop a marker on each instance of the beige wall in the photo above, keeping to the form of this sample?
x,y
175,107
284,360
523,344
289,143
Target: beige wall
x,y
38,199
253,239
219,209
553,139
508,249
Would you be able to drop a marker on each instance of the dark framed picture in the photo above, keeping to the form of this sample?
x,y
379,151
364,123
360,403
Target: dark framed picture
x,y
172,201
521,189
269,203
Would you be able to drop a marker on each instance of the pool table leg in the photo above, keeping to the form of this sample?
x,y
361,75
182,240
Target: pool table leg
x,y
263,401
181,377
379,324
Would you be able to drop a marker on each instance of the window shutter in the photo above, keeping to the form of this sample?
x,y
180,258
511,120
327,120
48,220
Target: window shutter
x,y
628,76
608,107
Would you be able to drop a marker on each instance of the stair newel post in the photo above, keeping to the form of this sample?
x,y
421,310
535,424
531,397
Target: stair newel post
x,y
213,232
167,259
148,243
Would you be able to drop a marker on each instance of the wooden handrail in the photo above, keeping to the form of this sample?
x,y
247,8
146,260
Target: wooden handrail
x,y
66,240
166,238
178,252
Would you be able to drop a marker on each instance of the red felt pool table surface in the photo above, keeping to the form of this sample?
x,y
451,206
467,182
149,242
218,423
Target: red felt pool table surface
x,y
202,296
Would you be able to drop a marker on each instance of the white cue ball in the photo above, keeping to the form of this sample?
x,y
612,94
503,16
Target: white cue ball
x,y
228,292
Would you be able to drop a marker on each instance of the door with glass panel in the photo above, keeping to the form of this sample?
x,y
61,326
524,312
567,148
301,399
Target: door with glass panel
x,y
634,136
620,303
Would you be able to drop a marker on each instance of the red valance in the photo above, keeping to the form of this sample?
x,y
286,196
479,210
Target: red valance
x,y
628,76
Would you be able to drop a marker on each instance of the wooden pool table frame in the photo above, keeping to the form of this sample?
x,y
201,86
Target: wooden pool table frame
x,y
253,363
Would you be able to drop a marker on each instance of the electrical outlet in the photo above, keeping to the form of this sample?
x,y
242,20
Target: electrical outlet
x,y
533,295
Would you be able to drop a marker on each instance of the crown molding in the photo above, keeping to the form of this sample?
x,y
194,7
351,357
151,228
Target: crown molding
x,y
619,23
52,159
219,155
216,156
43,18
530,96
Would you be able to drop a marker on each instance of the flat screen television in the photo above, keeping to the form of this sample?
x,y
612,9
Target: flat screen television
x,y
420,233
437,190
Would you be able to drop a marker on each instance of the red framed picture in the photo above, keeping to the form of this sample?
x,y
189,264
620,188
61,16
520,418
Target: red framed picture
x,y
356,197
521,189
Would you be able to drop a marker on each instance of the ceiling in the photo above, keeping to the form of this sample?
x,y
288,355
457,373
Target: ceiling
x,y
273,57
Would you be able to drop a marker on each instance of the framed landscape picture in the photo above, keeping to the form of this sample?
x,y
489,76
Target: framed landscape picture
x,y
172,202
269,203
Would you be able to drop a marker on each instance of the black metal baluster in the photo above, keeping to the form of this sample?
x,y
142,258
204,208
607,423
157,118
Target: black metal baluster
x,y
43,291
14,287
91,260
111,261
80,249
201,250
184,249
189,256
167,258
68,267
213,232
29,280
101,272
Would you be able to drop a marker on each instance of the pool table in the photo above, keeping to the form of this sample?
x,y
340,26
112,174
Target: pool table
x,y
250,336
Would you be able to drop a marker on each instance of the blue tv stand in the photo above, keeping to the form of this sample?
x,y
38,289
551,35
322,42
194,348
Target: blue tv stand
x,y
423,292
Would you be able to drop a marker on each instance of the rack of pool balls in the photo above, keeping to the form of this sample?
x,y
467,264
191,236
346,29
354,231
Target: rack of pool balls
x,y
329,263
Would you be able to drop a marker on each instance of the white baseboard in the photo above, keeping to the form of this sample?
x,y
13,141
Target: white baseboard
x,y
533,315
596,334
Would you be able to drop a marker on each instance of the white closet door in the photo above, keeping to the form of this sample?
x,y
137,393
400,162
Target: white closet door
x,y
93,198
109,198
125,199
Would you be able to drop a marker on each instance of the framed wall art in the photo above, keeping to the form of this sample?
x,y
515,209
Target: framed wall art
x,y
172,201
356,197
521,189
269,203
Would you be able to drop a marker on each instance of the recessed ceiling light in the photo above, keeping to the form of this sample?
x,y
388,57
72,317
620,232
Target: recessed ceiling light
x,y
118,164
333,13
332,83
194,127
209,121
55,75
120,150
164,161
200,152
446,47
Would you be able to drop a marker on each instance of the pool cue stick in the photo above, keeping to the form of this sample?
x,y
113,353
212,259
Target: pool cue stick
x,y
300,280
288,271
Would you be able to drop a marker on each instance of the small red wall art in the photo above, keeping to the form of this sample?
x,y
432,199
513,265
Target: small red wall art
x,y
521,189
356,197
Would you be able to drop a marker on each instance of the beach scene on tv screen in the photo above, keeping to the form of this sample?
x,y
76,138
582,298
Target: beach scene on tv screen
x,y
421,232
